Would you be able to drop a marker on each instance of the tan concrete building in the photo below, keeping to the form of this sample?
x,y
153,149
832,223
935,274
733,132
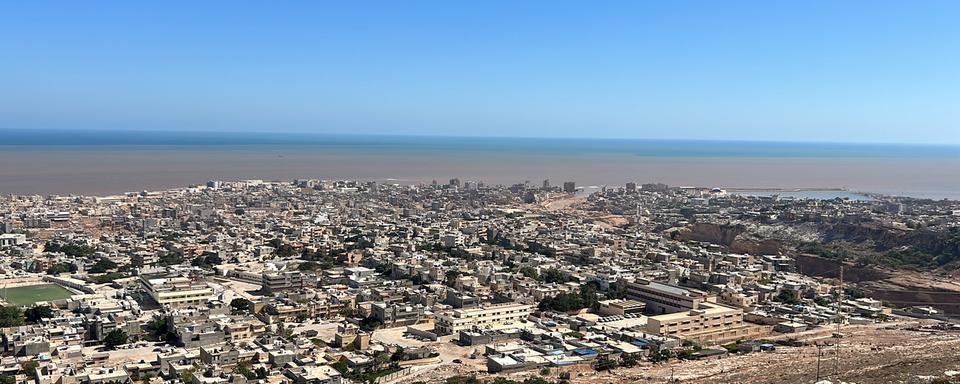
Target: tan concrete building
x,y
176,291
487,317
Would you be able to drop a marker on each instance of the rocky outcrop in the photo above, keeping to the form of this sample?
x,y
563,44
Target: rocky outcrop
x,y
885,238
720,234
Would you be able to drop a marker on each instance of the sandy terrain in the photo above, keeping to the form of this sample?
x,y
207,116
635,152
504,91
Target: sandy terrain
x,y
885,353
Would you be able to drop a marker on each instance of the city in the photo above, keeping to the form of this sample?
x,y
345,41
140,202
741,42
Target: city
x,y
336,281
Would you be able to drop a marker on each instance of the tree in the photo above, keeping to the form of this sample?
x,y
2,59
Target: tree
x,y
156,329
370,323
187,377
308,266
554,275
605,364
37,312
101,266
107,277
61,268
11,317
8,379
114,338
29,367
628,360
530,272
261,373
240,305
398,354
244,369
171,258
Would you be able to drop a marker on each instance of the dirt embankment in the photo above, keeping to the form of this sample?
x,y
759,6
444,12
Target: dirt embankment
x,y
730,236
903,288
884,238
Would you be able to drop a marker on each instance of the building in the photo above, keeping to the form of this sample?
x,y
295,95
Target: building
x,y
314,374
394,315
12,239
688,313
176,291
487,317
569,187
621,307
711,322
665,298
281,281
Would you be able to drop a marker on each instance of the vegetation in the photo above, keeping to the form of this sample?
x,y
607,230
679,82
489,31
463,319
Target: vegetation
x,y
370,323
240,305
942,251
157,330
102,266
29,366
27,295
787,297
61,268
71,250
566,302
605,364
171,258
308,266
530,272
369,376
108,277
115,338
36,313
554,275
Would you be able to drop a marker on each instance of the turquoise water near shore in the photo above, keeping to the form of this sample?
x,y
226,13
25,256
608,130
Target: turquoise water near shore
x,y
106,163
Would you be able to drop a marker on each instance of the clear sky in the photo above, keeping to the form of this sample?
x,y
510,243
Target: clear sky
x,y
871,71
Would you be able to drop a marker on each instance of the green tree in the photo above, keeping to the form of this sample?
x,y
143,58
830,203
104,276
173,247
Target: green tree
x,y
108,277
605,364
8,379
530,272
398,354
554,275
244,369
37,312
61,268
102,266
629,360
308,266
115,338
11,317
171,258
240,305
29,367
157,329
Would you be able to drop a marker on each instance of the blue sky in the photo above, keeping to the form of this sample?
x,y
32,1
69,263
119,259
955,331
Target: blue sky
x,y
855,71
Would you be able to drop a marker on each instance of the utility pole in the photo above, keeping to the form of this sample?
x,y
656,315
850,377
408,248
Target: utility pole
x,y
819,355
836,362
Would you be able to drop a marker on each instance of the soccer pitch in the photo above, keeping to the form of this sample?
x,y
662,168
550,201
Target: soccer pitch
x,y
29,294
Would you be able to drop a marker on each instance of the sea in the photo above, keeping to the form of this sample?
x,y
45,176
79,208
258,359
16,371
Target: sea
x,y
73,162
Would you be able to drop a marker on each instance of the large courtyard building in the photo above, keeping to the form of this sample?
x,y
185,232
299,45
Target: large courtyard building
x,y
487,317
687,313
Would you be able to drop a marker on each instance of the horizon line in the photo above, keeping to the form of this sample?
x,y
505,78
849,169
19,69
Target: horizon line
x,y
461,136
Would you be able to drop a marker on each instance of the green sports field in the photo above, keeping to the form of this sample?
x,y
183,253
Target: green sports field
x,y
27,295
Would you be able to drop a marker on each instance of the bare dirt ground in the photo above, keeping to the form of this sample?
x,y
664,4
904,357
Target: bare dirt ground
x,y
563,202
884,353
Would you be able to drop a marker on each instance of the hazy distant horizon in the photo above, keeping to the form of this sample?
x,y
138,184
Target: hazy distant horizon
x,y
13,136
108,163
